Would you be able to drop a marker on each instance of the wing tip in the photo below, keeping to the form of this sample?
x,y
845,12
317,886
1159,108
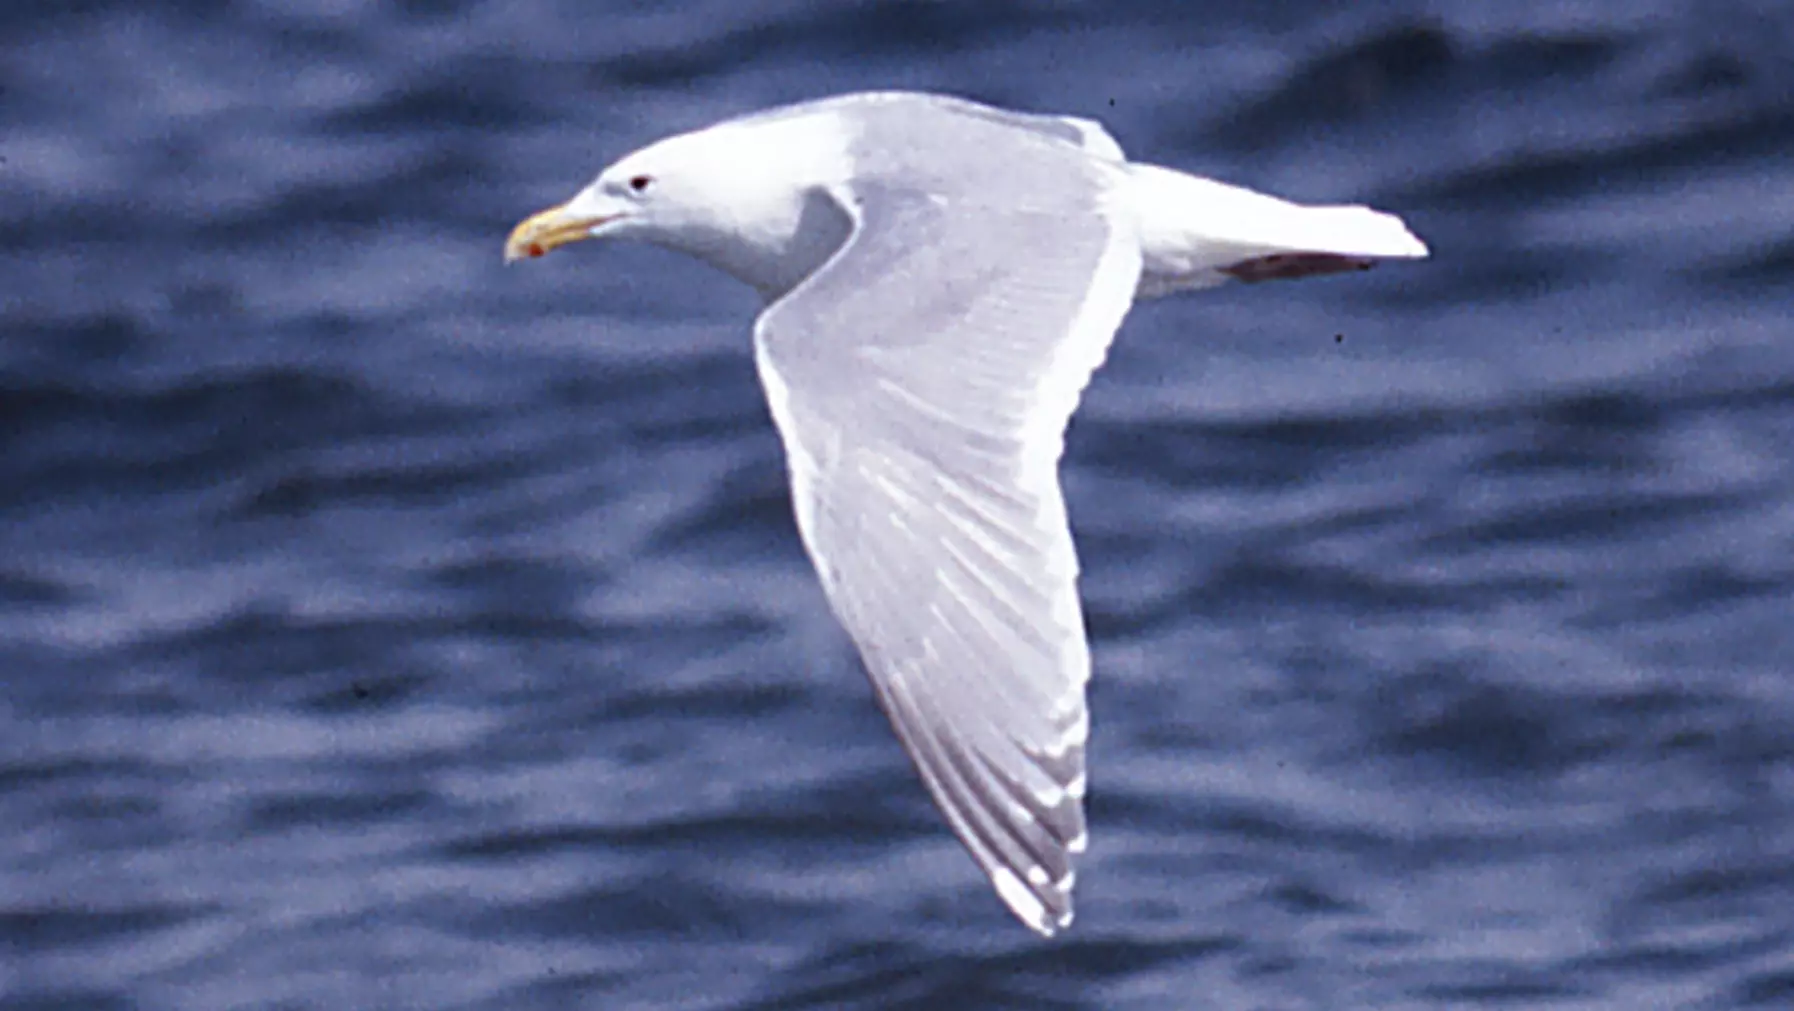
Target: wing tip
x,y
1045,909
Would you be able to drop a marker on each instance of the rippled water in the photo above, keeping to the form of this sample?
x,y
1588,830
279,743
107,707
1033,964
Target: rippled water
x,y
382,628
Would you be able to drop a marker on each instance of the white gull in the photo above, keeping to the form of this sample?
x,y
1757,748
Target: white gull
x,y
941,279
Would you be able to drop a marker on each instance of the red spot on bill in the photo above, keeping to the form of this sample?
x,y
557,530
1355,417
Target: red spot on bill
x,y
534,250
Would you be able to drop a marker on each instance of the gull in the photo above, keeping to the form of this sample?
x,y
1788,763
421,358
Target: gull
x,y
941,278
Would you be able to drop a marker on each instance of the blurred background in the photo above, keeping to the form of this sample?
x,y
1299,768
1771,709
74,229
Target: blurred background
x,y
384,628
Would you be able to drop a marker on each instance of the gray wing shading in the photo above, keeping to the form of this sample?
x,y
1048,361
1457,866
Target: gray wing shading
x,y
921,381
1087,134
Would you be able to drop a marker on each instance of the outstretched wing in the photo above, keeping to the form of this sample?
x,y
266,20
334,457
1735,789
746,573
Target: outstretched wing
x,y
921,381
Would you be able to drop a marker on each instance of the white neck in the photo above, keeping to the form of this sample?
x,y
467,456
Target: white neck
x,y
771,247
758,204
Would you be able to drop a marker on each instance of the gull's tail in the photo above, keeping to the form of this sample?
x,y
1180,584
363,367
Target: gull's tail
x,y
1197,233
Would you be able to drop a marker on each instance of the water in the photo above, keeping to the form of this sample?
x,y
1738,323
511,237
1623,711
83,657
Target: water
x,y
383,628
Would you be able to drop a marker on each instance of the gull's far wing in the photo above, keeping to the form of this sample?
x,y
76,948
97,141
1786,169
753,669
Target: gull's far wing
x,y
921,381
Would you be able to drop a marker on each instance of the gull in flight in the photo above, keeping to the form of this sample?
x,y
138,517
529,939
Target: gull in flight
x,y
940,279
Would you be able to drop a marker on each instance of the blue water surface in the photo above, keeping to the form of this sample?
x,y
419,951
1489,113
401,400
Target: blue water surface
x,y
384,628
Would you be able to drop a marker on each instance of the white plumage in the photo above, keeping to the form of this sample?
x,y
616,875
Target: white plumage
x,y
941,280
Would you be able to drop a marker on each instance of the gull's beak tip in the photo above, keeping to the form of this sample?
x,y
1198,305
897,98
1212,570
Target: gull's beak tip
x,y
541,232
524,242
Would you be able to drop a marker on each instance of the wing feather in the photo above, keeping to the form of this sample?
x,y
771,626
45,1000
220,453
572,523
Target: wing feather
x,y
921,381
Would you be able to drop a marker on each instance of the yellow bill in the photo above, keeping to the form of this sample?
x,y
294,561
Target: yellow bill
x,y
548,230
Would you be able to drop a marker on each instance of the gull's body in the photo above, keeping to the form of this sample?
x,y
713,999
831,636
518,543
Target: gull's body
x,y
941,280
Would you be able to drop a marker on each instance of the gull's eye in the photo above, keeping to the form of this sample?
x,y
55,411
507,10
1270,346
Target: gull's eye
x,y
640,184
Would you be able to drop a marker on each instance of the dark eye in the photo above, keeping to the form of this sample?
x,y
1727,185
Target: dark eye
x,y
640,184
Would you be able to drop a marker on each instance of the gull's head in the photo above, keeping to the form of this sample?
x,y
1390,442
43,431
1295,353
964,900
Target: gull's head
x,y
651,194
741,196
